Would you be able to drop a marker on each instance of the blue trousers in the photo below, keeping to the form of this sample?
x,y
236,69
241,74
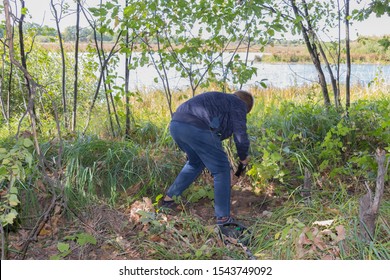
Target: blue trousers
x,y
204,149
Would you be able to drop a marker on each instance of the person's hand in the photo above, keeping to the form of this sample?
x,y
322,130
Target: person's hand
x,y
245,161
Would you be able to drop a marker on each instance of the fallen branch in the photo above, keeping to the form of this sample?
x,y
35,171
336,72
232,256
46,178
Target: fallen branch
x,y
38,226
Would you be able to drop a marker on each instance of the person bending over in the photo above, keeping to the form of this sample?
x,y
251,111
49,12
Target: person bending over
x,y
199,126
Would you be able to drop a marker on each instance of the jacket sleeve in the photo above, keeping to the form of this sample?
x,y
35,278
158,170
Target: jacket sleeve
x,y
240,132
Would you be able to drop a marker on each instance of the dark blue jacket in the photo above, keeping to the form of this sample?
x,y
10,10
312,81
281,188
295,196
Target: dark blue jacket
x,y
223,113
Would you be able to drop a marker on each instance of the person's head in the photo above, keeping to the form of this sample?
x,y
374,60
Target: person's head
x,y
246,97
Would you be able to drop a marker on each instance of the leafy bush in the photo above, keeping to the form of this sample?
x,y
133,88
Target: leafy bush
x,y
294,136
16,163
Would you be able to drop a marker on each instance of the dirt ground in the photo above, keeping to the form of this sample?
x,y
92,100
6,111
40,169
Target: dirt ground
x,y
116,230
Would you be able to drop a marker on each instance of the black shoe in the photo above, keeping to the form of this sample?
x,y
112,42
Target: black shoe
x,y
233,230
167,206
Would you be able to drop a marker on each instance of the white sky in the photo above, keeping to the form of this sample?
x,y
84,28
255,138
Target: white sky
x,y
40,13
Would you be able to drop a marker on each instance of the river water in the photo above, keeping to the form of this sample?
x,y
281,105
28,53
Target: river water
x,y
280,75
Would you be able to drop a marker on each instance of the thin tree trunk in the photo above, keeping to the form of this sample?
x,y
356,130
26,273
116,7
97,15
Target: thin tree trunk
x,y
348,57
369,203
22,50
103,63
247,53
3,110
337,97
313,52
9,87
108,106
127,81
76,68
110,98
26,74
163,76
2,80
330,71
57,18
127,77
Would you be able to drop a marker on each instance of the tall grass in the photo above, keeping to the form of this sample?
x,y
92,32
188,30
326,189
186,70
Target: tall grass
x,y
110,169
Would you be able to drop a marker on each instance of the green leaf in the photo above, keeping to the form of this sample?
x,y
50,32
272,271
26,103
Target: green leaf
x,y
85,238
159,197
109,5
199,253
13,200
129,10
271,32
13,190
9,218
63,247
27,142
29,159
285,232
3,171
70,237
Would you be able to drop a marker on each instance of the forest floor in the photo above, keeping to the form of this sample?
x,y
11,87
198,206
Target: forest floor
x,y
121,232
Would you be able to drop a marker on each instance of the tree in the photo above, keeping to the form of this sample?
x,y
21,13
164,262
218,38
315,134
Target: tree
x,y
23,54
348,57
53,180
127,48
305,23
58,15
200,40
76,67
100,23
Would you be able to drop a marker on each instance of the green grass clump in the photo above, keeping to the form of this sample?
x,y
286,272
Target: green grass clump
x,y
102,168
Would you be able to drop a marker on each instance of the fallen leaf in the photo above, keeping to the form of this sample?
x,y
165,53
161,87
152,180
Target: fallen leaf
x,y
302,243
303,238
325,223
340,233
267,214
139,207
45,231
327,232
155,238
319,243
